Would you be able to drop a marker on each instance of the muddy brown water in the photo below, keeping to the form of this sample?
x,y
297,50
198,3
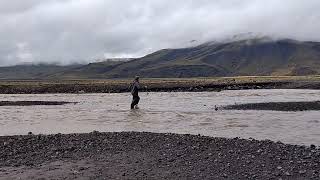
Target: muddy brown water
x,y
177,112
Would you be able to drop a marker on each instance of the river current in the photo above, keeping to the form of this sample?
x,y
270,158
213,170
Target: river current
x,y
166,112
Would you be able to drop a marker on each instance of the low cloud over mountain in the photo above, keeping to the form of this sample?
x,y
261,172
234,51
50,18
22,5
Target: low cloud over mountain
x,y
69,31
251,57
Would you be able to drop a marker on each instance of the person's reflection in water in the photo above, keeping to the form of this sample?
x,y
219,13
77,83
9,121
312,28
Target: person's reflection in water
x,y
135,114
135,120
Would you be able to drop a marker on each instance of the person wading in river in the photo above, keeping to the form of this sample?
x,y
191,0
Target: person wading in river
x,y
134,91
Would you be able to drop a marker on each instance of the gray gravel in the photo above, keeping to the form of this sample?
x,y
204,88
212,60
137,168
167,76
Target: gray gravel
x,y
137,155
277,106
33,103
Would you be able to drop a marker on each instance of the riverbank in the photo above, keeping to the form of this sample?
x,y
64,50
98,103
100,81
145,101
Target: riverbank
x,y
159,85
134,155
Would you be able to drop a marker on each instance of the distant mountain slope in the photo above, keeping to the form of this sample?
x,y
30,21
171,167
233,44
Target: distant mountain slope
x,y
50,71
41,71
91,70
256,56
245,57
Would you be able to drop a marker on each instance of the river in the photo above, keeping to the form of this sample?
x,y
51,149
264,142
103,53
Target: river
x,y
174,112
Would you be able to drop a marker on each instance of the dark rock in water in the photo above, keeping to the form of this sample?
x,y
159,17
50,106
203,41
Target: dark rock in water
x,y
30,133
95,132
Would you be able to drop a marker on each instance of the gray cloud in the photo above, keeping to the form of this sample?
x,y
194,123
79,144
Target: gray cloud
x,y
67,31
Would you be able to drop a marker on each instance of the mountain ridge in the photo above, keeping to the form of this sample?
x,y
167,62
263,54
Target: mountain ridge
x,y
243,57
253,56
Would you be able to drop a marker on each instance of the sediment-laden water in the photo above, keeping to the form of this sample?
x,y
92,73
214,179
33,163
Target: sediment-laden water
x,y
178,112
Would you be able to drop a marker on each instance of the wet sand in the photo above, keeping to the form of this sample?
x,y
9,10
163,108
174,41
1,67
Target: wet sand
x,y
277,106
135,155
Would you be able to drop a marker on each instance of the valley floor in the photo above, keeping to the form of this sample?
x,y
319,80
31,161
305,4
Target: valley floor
x,y
139,155
159,84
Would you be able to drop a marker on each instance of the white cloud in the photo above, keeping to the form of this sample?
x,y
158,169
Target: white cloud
x,y
67,31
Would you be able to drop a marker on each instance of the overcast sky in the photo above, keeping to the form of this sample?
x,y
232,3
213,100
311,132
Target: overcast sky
x,y
68,31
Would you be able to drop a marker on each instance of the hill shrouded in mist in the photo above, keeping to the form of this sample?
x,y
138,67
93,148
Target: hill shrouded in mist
x,y
258,56
39,71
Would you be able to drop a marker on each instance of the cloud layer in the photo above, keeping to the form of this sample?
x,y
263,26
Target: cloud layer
x,y
68,31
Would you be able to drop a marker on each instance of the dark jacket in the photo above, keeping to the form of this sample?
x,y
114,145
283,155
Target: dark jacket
x,y
135,88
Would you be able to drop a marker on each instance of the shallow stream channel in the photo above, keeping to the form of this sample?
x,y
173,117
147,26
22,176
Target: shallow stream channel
x,y
167,112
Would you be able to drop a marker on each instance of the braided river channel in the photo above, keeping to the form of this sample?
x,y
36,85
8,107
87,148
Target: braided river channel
x,y
167,112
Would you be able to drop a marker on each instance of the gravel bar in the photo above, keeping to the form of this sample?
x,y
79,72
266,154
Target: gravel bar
x,y
34,103
142,155
277,106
